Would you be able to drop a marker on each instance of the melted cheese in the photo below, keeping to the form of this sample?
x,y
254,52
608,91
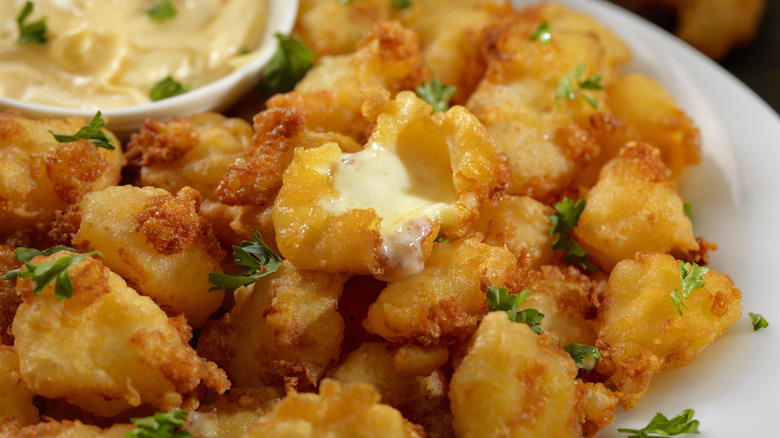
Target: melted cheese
x,y
110,53
410,189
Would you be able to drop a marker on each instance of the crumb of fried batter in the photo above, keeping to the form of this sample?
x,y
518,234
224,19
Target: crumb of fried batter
x,y
170,224
160,143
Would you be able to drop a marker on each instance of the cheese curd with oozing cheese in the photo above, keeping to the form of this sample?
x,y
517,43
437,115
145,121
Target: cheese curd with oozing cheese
x,y
111,53
378,211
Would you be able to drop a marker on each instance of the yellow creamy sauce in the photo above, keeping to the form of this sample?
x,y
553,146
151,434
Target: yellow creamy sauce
x,y
110,53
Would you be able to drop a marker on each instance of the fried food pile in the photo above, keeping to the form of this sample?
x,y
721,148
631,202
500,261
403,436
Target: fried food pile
x,y
435,269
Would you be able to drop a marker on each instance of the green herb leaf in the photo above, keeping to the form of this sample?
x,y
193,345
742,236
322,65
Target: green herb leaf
x,y
690,279
441,239
758,321
566,216
166,88
660,426
401,4
258,260
160,425
93,132
33,32
566,91
436,94
499,298
161,11
288,66
542,33
688,208
42,274
584,356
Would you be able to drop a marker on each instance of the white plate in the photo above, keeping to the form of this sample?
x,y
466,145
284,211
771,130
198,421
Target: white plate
x,y
735,194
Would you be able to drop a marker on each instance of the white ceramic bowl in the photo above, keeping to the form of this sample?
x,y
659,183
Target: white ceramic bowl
x,y
215,96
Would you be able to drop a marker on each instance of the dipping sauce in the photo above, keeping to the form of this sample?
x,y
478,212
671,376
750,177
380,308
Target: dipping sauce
x,y
110,53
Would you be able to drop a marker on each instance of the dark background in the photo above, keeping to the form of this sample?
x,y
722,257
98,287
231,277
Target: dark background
x,y
757,64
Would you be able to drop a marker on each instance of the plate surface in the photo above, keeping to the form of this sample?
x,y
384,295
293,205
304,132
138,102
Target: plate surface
x,y
735,193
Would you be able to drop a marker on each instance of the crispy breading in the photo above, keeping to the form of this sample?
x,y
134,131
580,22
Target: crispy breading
x,y
286,330
230,415
9,300
566,298
421,399
517,99
634,207
255,178
641,110
513,383
443,303
108,348
639,291
158,242
192,152
353,411
64,429
38,175
377,211
331,93
16,399
520,223
334,28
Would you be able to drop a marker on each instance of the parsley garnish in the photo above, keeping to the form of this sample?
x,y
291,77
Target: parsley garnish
x,y
160,425
542,33
499,298
688,208
690,279
758,321
401,4
441,239
288,66
42,274
566,90
93,132
565,218
584,356
258,259
166,88
161,11
33,32
436,94
660,426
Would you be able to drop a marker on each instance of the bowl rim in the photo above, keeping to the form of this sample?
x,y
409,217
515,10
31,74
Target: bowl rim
x,y
280,19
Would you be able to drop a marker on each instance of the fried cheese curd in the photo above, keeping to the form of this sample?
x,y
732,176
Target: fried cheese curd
x,y
330,94
639,290
348,411
285,330
420,396
156,241
444,302
640,109
377,211
62,429
634,207
39,176
16,399
231,414
448,36
542,131
520,223
513,383
107,348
